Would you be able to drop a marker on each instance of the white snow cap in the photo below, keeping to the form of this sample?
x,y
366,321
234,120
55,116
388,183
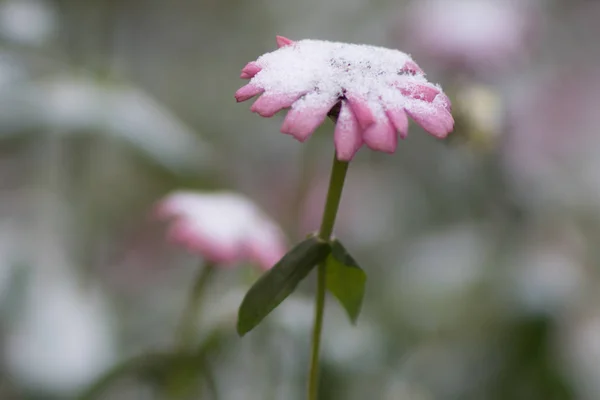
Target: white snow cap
x,y
223,227
330,69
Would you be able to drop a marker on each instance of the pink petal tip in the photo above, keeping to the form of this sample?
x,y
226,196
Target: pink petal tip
x,y
439,123
347,135
283,41
247,92
306,115
251,69
361,110
399,119
268,105
302,124
381,136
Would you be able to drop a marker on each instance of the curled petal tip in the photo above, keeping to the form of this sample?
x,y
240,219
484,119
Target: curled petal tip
x,y
300,136
250,70
347,134
302,119
439,123
300,128
399,120
381,137
283,41
268,105
247,92
447,121
361,110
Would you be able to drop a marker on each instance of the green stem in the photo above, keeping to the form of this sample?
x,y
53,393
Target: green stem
x,y
186,331
334,194
185,336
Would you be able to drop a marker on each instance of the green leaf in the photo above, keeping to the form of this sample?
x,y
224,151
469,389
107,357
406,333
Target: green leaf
x,y
345,280
279,282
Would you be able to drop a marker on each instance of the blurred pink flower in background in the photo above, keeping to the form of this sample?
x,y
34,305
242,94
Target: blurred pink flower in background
x,y
476,35
552,152
376,88
222,227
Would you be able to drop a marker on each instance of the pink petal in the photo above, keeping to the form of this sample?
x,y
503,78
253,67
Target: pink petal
x,y
381,136
302,119
268,105
163,211
420,92
361,110
437,121
283,41
266,245
266,255
444,100
251,69
399,120
247,92
347,137
412,68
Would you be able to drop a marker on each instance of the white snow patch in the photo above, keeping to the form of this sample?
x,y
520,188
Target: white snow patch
x,y
225,217
331,69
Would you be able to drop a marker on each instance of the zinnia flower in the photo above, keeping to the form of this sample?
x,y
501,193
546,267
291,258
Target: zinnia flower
x,y
375,88
223,227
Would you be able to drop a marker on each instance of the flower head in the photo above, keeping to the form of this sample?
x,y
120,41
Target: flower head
x,y
375,88
223,227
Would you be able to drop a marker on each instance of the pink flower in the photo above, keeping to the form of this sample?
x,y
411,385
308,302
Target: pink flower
x,y
376,88
473,34
548,166
223,227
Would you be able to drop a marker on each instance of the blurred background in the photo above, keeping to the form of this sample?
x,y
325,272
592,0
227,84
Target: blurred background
x,y
481,250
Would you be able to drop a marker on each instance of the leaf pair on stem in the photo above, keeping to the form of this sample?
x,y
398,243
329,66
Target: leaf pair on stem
x,y
345,280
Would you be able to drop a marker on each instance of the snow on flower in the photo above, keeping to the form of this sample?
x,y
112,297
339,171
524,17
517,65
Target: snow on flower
x,y
476,34
375,88
222,227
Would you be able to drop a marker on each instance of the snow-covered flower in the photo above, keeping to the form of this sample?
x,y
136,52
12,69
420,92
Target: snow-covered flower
x,y
374,87
473,34
223,227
